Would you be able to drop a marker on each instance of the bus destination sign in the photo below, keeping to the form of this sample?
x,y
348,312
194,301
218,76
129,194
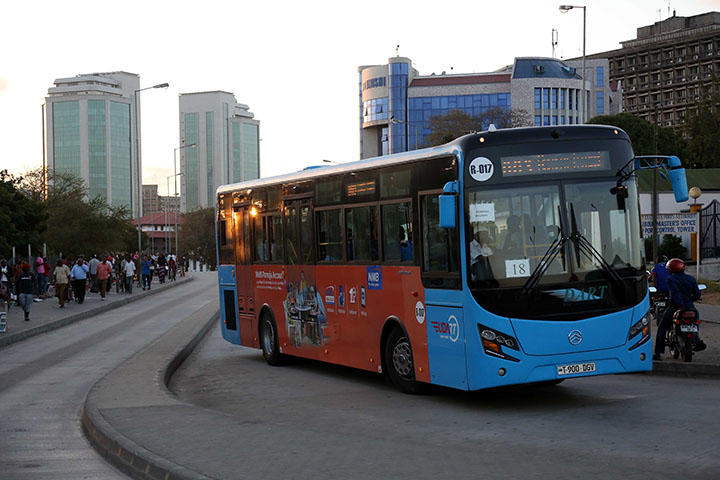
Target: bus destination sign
x,y
565,162
361,189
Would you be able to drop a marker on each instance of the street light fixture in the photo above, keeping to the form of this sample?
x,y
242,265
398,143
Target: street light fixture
x,y
137,162
175,175
395,121
565,9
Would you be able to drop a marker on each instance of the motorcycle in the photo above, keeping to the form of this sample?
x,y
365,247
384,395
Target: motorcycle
x,y
683,336
658,302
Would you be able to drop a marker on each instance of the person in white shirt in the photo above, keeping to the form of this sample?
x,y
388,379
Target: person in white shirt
x,y
129,274
480,252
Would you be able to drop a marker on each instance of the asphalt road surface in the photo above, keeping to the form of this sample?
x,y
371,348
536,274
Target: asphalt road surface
x,y
312,420
44,381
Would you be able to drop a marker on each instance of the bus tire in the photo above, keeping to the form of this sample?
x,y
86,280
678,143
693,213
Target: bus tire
x,y
269,340
399,363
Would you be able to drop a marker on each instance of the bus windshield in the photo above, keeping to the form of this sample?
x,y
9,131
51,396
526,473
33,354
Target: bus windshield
x,y
571,244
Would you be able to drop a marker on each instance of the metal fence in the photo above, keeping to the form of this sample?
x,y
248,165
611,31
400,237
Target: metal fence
x,y
710,224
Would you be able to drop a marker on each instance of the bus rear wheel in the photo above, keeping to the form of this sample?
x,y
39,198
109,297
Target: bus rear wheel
x,y
269,340
399,363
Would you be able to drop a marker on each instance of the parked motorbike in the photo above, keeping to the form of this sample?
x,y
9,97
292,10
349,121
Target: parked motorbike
x,y
658,302
683,336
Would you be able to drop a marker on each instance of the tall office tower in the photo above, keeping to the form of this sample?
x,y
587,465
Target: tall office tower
x,y
90,133
668,68
227,146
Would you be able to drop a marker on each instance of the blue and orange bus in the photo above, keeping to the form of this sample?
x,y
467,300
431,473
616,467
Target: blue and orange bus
x,y
504,257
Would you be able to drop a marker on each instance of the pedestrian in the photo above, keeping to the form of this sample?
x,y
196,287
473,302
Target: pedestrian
x,y
17,271
146,272
62,279
94,262
660,275
26,286
129,273
48,269
103,274
172,268
80,273
161,268
119,273
6,276
40,271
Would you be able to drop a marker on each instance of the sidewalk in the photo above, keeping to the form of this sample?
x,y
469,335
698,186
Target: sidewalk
x,y
47,315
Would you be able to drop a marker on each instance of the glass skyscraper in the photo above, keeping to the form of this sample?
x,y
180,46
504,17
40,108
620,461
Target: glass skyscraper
x,y
89,120
227,145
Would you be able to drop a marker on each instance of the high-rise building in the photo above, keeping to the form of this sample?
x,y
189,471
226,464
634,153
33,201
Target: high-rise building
x,y
90,133
665,69
227,145
397,103
155,203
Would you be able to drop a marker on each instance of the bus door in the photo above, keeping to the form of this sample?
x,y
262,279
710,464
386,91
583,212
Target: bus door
x,y
304,325
443,296
243,259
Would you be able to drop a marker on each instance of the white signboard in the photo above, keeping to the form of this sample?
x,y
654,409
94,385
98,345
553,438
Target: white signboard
x,y
517,268
482,212
678,224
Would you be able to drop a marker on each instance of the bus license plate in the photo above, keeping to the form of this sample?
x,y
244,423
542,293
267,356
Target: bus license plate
x,y
688,328
575,368
660,304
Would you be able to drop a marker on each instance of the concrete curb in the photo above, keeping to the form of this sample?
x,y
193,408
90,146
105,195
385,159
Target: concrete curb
x,y
129,457
682,369
61,322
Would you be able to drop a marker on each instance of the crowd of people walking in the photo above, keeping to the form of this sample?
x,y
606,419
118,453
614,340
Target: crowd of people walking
x,y
23,284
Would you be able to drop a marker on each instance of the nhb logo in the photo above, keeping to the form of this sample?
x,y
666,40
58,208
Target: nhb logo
x,y
481,169
374,278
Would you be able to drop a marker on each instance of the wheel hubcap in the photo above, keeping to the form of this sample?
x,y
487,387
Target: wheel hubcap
x,y
402,359
268,337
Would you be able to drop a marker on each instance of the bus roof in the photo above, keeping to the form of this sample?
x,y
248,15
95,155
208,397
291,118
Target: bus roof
x,y
500,136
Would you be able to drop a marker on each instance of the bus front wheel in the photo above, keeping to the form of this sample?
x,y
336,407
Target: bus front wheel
x,y
269,341
399,363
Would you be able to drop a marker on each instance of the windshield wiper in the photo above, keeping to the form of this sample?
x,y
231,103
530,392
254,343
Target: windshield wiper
x,y
553,250
583,245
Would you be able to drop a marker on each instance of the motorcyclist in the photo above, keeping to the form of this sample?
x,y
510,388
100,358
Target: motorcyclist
x,y
660,275
683,290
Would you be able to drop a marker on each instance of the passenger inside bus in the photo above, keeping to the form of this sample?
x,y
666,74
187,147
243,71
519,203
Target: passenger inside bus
x,y
480,252
406,247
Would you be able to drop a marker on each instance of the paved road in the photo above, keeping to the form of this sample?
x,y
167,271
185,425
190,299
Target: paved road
x,y
310,419
44,380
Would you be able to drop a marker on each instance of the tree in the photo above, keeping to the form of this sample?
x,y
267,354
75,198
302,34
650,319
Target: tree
x,y
76,225
672,247
701,127
644,134
197,236
456,123
22,219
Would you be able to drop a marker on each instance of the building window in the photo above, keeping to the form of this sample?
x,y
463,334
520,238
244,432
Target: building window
x,y
600,102
554,119
538,101
554,98
538,120
562,98
546,120
570,99
600,76
546,98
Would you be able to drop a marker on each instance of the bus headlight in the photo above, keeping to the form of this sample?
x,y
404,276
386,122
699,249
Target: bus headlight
x,y
493,341
640,327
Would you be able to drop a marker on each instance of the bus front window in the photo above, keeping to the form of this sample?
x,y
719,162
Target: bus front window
x,y
510,231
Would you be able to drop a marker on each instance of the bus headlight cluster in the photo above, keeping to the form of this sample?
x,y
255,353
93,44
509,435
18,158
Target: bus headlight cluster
x,y
640,327
493,341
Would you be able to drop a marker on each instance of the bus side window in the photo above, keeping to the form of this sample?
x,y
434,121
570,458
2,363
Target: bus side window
x,y
261,251
225,233
275,238
440,250
307,244
291,235
361,233
397,232
329,235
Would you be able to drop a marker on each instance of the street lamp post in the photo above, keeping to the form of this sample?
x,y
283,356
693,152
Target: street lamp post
x,y
175,175
137,162
565,9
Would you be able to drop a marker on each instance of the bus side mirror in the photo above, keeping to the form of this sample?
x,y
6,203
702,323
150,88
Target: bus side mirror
x,y
447,205
678,179
447,211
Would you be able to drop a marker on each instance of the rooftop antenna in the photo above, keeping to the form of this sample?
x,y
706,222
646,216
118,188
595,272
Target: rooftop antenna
x,y
554,41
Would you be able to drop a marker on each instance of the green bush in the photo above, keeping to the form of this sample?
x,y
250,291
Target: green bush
x,y
672,247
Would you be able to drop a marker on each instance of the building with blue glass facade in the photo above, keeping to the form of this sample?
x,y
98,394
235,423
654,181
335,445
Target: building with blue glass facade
x,y
227,146
89,120
397,103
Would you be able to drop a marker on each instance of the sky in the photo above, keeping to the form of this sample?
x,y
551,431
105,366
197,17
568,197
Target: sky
x,y
293,63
